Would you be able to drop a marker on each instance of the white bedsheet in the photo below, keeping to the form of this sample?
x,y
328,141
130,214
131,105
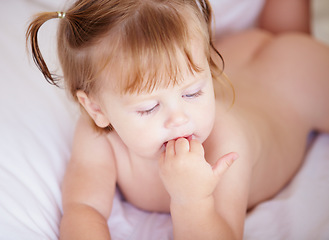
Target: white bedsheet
x,y
36,126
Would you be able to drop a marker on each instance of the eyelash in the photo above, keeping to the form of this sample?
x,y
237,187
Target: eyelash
x,y
194,95
149,111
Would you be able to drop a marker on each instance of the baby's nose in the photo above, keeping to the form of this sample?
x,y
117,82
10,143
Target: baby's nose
x,y
176,119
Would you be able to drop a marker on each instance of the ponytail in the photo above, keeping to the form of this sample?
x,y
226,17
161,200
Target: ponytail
x,y
32,40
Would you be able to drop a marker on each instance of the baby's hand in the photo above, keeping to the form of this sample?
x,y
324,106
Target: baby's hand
x,y
186,174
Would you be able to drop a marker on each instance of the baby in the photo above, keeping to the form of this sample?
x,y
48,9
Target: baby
x,y
162,121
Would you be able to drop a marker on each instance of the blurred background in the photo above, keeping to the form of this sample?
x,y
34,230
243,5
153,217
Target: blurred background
x,y
320,23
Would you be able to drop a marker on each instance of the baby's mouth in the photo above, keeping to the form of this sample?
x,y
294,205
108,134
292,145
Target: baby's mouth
x,y
189,138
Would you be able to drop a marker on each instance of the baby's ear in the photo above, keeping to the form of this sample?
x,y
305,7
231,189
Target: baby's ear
x,y
93,109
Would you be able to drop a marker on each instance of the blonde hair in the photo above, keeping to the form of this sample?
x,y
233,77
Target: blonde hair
x,y
140,38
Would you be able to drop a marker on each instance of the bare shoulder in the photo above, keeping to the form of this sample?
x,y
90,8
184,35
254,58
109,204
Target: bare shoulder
x,y
91,172
90,144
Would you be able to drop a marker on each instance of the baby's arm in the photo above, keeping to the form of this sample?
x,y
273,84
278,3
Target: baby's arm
x,y
285,15
88,186
198,210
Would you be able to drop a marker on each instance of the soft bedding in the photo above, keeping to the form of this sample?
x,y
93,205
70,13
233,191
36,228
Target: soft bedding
x,y
36,127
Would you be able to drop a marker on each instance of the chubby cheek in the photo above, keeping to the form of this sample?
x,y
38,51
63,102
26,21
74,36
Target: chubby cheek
x,y
140,136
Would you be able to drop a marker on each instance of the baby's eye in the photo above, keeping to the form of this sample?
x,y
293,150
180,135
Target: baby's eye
x,y
148,111
193,95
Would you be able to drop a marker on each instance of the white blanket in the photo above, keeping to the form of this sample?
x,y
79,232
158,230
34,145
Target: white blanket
x,y
36,127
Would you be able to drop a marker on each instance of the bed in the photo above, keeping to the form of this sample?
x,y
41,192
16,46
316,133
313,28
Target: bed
x,y
36,127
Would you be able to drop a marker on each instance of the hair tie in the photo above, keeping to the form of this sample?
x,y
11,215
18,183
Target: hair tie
x,y
61,14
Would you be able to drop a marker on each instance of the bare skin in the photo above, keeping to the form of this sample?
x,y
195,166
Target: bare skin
x,y
281,86
279,16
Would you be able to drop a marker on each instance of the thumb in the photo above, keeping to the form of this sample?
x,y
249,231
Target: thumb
x,y
224,163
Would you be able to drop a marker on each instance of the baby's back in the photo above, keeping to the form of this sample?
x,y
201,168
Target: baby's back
x,y
281,88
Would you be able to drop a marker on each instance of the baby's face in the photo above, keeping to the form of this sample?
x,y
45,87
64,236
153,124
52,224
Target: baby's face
x,y
147,121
